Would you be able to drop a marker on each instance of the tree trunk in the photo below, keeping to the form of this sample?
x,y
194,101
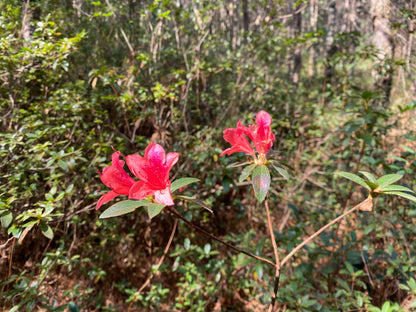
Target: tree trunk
x,y
314,22
331,48
383,42
297,59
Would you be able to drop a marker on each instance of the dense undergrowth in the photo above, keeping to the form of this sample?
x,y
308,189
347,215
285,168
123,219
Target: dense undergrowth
x,y
122,74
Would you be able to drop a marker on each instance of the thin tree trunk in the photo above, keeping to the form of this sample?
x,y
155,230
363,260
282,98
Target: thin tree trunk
x,y
383,42
297,60
246,19
331,48
314,22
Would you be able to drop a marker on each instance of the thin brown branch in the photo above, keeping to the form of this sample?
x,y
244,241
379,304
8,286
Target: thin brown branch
x,y
363,205
206,233
276,256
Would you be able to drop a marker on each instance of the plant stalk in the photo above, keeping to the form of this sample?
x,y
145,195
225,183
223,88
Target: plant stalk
x,y
206,233
276,256
363,204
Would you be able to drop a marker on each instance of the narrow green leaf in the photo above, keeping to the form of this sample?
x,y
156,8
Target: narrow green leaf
x,y
195,201
353,178
282,163
372,185
369,176
122,208
46,230
388,179
6,219
395,187
279,169
246,172
401,194
234,165
73,307
177,184
261,182
63,164
153,209
408,149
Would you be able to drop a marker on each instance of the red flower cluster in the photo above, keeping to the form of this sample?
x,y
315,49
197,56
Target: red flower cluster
x,y
153,173
260,133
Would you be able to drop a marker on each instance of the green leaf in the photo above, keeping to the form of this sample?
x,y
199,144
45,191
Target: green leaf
x,y
195,201
372,185
73,307
401,194
63,164
261,182
177,184
153,209
395,187
123,207
186,243
408,149
282,163
388,179
234,165
246,172
46,230
6,219
369,176
279,169
353,178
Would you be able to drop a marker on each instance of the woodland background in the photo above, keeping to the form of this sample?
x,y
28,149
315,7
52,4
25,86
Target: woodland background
x,y
80,76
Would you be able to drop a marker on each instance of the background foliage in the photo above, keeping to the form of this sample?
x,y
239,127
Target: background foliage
x,y
77,77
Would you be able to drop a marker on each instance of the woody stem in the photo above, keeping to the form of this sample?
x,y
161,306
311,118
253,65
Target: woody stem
x,y
310,238
206,233
276,256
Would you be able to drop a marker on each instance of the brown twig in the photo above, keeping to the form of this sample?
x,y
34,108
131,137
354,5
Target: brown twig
x,y
276,256
201,230
363,205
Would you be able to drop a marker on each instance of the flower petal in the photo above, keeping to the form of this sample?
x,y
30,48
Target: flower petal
x,y
263,119
171,159
140,190
138,165
238,141
117,179
105,198
164,197
155,154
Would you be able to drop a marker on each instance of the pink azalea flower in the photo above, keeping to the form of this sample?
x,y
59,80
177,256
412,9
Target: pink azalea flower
x,y
238,141
260,133
115,178
153,171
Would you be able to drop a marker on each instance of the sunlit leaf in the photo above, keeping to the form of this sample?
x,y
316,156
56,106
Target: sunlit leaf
x,y
353,178
261,182
177,184
153,209
394,187
401,194
46,230
6,219
369,176
279,169
408,149
246,172
372,185
123,207
388,179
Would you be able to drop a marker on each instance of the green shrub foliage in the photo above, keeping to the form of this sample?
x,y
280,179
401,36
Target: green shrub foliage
x,y
78,78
